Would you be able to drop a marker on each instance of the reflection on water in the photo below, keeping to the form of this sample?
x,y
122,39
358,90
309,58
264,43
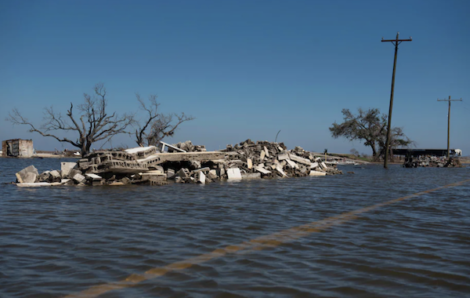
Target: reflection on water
x,y
57,241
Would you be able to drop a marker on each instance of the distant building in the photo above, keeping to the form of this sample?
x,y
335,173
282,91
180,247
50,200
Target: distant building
x,y
17,148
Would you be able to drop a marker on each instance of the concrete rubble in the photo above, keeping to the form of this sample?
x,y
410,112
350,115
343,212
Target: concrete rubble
x,y
181,163
273,160
432,161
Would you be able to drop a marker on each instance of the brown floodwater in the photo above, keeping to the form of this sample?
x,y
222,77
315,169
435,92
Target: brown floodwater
x,y
260,238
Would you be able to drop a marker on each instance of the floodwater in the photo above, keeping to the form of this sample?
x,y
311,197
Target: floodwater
x,y
60,241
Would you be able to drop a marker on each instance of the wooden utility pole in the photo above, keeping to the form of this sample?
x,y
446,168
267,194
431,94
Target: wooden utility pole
x,y
395,42
448,123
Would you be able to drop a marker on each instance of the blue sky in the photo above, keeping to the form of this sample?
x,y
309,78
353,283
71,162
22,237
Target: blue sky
x,y
243,69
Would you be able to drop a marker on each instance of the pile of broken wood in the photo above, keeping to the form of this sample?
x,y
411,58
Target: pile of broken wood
x,y
149,166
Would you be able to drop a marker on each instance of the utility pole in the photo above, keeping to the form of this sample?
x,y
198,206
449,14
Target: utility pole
x,y
395,42
448,123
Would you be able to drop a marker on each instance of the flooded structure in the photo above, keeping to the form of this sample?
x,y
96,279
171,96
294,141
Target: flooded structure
x,y
427,152
429,157
17,148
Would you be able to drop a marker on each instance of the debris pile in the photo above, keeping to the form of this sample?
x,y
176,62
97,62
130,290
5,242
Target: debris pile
x,y
431,161
189,147
183,163
270,160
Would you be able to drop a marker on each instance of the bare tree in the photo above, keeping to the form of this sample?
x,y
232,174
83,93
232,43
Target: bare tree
x,y
371,127
354,152
92,123
156,125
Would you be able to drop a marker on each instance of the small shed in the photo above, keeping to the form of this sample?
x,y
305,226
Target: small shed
x,y
17,148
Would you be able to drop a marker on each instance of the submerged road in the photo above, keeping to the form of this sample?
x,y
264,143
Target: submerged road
x,y
402,232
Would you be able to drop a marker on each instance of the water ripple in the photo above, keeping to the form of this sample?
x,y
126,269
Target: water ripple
x,y
57,241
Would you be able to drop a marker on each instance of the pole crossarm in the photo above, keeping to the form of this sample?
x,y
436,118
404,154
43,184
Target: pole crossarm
x,y
395,40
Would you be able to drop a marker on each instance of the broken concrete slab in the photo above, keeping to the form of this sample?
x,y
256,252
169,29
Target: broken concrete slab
x,y
247,176
27,175
183,173
299,159
170,173
283,156
42,184
317,173
262,155
194,164
44,177
220,172
194,156
262,170
234,174
164,146
37,184
153,173
280,171
116,183
200,178
292,164
267,151
212,174
142,152
66,182
321,163
65,168
55,176
78,178
93,176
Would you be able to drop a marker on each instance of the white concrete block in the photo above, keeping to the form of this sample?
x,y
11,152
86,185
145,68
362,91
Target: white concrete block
x,y
27,175
234,174
267,151
317,173
93,176
292,164
201,178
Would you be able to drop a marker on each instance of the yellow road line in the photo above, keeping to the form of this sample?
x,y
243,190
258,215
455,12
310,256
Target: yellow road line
x,y
259,243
